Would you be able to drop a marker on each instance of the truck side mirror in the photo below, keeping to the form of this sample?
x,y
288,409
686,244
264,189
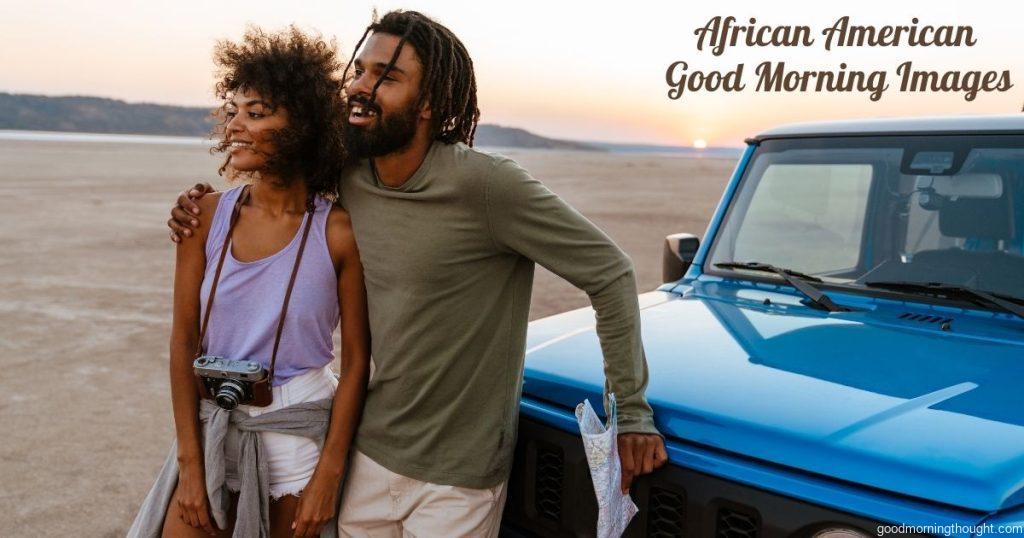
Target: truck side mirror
x,y
679,252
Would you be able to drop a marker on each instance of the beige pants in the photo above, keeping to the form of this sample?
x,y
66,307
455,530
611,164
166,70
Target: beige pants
x,y
378,503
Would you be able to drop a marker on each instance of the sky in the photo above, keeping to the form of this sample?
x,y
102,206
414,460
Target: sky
x,y
581,70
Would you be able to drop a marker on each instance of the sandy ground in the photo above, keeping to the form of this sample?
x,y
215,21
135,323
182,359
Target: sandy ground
x,y
85,281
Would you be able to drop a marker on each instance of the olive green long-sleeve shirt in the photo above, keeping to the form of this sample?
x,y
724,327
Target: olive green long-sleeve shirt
x,y
449,260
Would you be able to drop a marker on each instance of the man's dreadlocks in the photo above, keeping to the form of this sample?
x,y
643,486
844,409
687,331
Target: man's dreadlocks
x,y
448,80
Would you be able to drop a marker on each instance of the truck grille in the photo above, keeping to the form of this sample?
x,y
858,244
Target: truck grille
x,y
665,513
550,473
550,494
733,523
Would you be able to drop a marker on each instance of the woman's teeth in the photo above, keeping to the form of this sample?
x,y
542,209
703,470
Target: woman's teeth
x,y
240,144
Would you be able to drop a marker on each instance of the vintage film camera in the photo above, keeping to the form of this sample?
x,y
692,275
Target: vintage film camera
x,y
231,383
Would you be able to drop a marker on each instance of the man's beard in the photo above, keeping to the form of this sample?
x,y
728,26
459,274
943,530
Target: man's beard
x,y
392,132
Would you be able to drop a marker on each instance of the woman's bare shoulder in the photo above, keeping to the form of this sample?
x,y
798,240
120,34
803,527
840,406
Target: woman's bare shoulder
x,y
339,224
338,217
340,236
207,210
208,206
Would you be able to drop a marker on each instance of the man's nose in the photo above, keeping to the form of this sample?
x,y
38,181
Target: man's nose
x,y
360,85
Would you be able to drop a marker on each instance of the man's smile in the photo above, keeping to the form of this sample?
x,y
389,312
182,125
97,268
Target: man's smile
x,y
359,114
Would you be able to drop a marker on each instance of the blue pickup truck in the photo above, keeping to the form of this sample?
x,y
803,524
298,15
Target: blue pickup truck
x,y
842,355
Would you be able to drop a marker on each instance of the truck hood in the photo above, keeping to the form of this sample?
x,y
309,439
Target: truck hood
x,y
868,397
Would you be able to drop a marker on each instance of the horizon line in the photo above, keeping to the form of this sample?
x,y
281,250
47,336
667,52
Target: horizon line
x,y
170,105
195,139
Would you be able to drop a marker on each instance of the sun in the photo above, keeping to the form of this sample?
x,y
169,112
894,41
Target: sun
x,y
700,143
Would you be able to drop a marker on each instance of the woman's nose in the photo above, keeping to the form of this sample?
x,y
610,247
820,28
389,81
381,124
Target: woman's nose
x,y
234,124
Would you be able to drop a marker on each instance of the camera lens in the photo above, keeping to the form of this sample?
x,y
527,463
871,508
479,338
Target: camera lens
x,y
229,394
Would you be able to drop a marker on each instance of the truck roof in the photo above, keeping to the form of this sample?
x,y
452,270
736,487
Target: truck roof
x,y
989,124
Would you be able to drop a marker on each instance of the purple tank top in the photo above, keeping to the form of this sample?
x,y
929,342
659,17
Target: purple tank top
x,y
249,297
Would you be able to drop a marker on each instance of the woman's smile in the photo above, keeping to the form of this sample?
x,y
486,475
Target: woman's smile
x,y
238,145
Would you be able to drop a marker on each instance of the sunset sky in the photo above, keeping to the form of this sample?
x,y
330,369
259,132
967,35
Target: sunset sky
x,y
569,69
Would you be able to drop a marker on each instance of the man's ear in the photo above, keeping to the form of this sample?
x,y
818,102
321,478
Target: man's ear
x,y
425,112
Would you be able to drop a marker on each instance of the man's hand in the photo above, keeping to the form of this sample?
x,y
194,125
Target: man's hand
x,y
640,453
183,215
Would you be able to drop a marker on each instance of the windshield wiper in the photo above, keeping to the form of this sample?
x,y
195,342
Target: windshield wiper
x,y
1005,303
795,278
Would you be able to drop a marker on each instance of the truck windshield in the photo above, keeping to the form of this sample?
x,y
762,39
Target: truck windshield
x,y
944,210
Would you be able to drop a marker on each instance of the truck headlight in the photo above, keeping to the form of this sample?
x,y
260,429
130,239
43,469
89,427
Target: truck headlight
x,y
840,532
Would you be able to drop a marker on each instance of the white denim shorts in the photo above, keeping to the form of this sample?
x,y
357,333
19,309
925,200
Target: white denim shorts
x,y
291,458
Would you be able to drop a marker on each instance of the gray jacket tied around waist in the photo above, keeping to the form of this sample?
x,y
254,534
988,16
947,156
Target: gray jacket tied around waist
x,y
308,419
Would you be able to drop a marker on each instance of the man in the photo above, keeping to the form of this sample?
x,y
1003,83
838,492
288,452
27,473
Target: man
x,y
449,237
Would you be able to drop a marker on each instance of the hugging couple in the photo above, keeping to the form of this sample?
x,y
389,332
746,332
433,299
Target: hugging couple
x,y
365,205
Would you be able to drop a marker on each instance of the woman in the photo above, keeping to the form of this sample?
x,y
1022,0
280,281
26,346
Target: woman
x,y
281,129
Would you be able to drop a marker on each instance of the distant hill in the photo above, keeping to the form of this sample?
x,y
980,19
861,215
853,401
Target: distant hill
x,y
511,137
84,114
99,115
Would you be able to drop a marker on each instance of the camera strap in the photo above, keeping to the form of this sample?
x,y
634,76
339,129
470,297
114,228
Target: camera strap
x,y
243,197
